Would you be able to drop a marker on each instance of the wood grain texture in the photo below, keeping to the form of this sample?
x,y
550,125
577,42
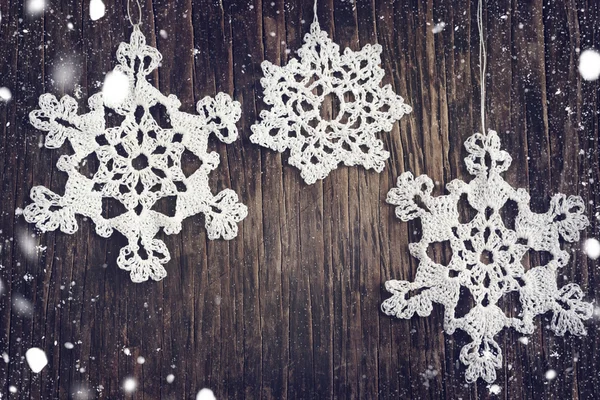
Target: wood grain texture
x,y
290,308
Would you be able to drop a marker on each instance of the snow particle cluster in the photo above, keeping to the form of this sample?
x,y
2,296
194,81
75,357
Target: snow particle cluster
x,y
589,64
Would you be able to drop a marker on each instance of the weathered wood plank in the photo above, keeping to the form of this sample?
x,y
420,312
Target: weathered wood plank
x,y
290,308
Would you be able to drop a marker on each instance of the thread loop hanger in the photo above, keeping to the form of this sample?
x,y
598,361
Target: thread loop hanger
x,y
482,61
137,24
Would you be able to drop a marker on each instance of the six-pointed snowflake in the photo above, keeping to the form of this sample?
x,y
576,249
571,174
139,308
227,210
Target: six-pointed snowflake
x,y
487,257
140,163
297,91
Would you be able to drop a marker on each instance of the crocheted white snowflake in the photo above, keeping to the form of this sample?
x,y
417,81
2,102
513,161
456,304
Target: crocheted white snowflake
x,y
486,257
139,164
297,91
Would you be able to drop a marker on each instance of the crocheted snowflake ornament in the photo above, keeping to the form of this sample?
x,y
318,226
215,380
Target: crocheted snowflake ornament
x,y
140,163
486,257
297,91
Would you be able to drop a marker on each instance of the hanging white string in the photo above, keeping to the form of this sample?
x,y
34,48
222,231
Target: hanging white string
x,y
482,61
315,12
139,6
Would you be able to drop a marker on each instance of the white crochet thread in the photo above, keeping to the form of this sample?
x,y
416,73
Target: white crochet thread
x,y
487,279
140,163
297,91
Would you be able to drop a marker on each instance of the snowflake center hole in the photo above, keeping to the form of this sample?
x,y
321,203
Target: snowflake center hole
x,y
330,106
140,162
487,258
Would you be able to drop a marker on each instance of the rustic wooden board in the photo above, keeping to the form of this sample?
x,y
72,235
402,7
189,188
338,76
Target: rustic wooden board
x,y
290,309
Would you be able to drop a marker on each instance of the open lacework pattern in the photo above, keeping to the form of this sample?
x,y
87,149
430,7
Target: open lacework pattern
x,y
487,279
140,163
297,91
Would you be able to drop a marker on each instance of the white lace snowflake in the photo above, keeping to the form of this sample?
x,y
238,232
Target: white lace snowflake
x,y
139,164
486,257
297,91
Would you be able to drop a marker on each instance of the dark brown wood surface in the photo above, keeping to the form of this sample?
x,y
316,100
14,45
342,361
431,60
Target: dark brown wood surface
x,y
290,308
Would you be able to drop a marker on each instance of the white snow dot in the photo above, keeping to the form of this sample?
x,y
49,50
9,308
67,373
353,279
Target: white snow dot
x,y
22,306
5,357
205,394
589,64
524,340
141,360
5,94
12,389
36,358
550,374
97,9
591,247
70,26
127,351
495,389
272,34
438,27
129,385
163,34
170,378
115,88
36,6
69,345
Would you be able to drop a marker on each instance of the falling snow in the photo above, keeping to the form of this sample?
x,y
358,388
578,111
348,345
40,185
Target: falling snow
x,y
550,374
495,389
97,9
36,358
205,394
589,64
438,27
129,385
115,88
591,247
22,306
524,340
36,6
5,94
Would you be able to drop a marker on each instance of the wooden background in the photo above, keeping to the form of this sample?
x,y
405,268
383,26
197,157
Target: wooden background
x,y
290,309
